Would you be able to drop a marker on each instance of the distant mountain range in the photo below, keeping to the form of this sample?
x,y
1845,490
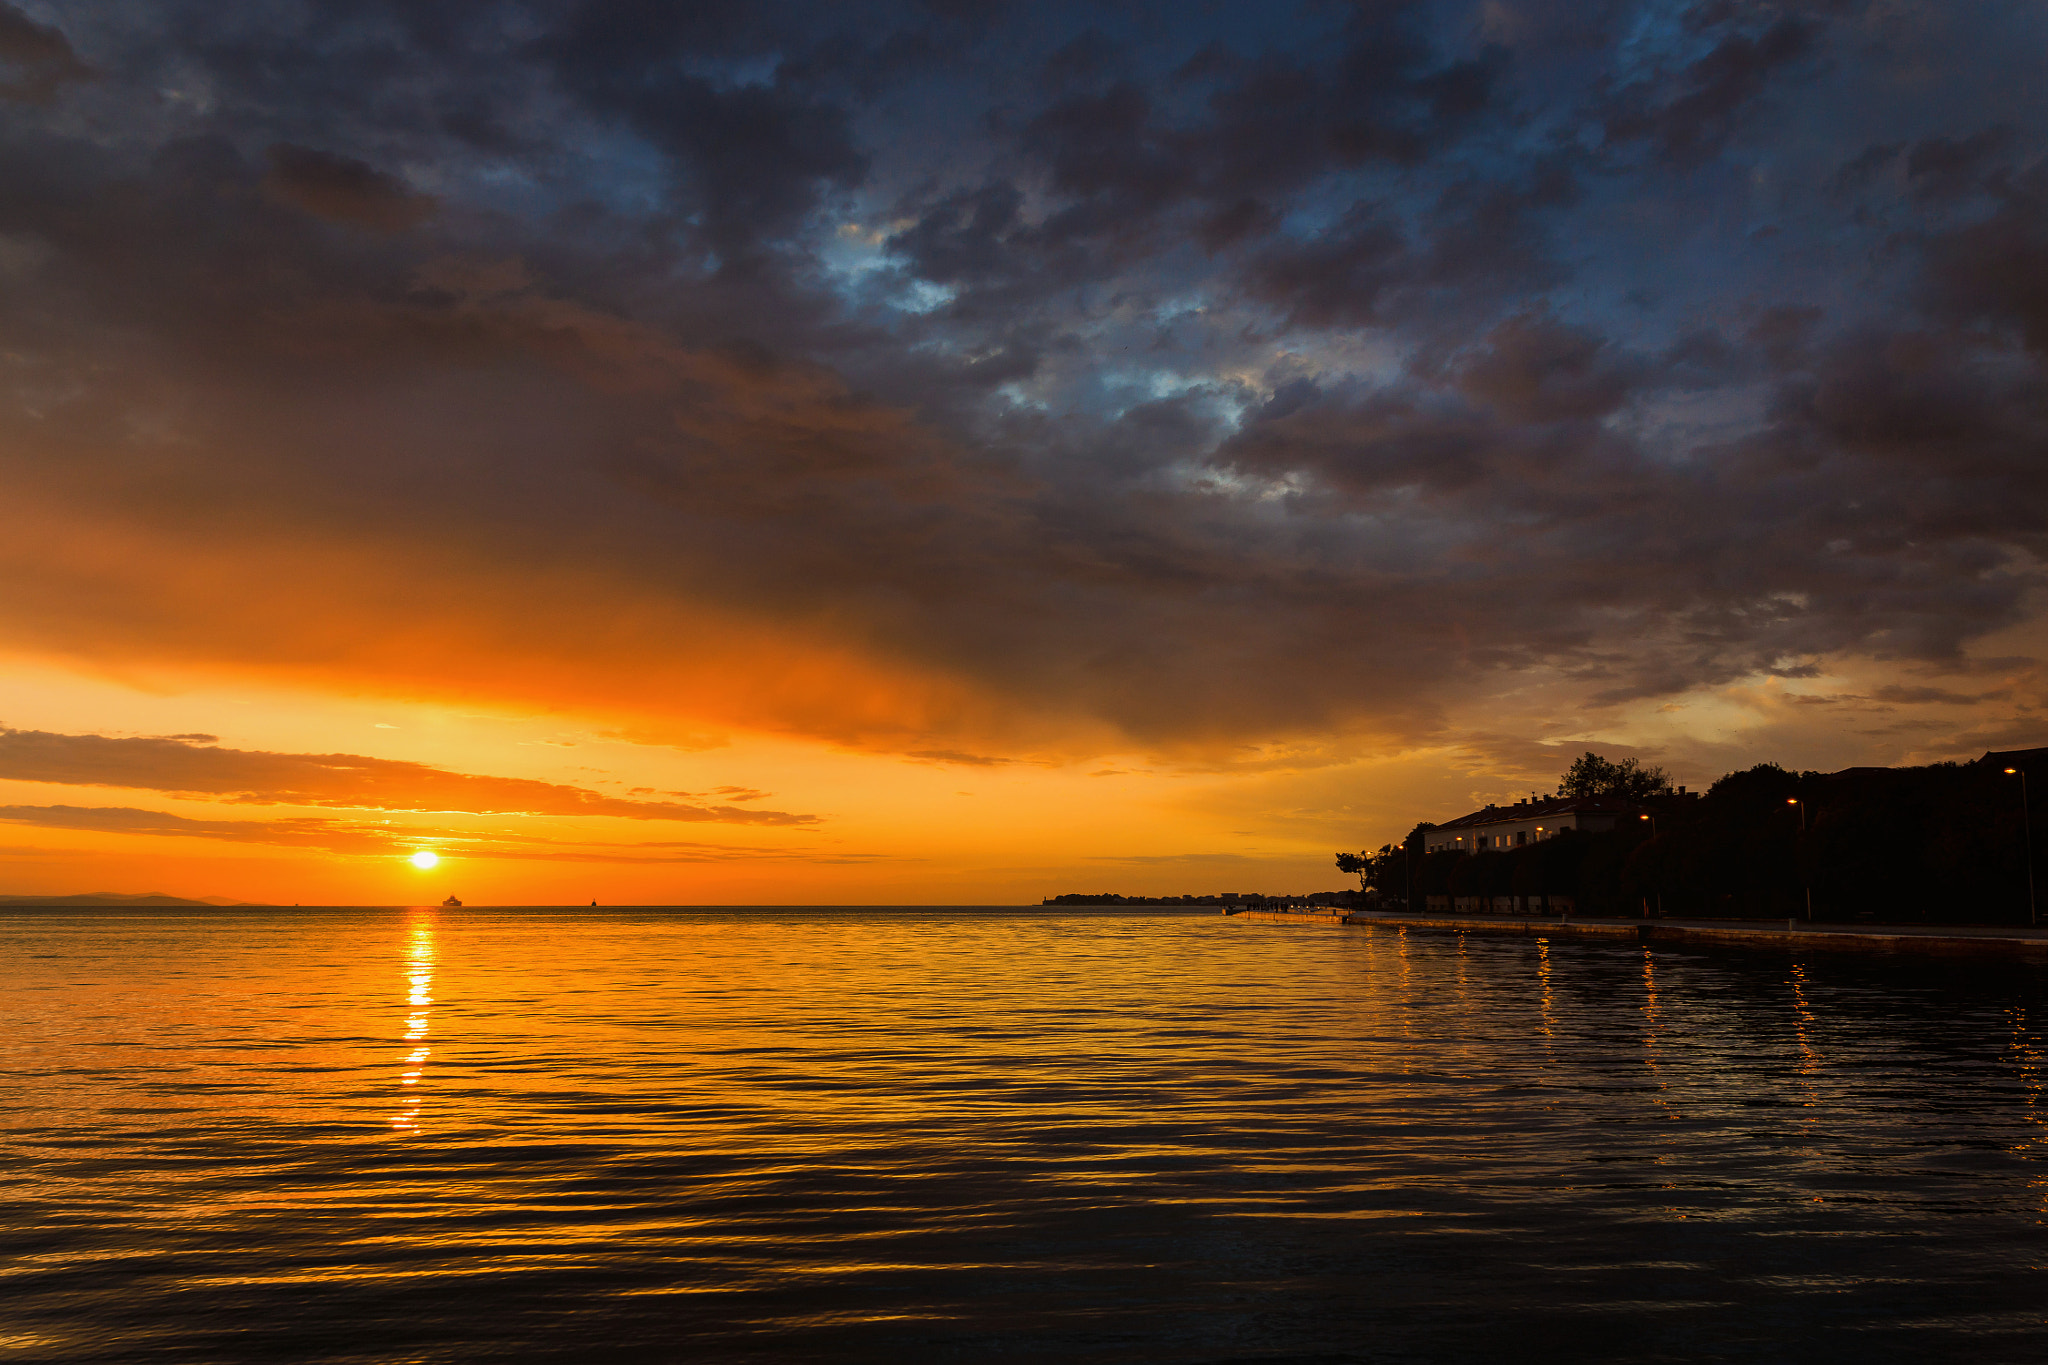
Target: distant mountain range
x,y
146,898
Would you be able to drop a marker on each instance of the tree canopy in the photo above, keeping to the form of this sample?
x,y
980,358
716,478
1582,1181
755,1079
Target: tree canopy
x,y
1592,775
1358,865
1383,869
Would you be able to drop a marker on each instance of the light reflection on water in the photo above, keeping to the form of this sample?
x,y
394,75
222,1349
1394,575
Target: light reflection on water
x,y
858,1135
419,1002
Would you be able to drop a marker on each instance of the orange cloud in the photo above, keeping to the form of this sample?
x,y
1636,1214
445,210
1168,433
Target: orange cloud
x,y
187,766
331,836
349,838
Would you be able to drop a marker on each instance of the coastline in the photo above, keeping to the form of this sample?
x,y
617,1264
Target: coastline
x,y
1943,940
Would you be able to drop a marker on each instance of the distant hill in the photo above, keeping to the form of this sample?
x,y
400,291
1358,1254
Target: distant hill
x,y
146,898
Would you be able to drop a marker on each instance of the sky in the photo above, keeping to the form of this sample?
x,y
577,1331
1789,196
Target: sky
x,y
965,452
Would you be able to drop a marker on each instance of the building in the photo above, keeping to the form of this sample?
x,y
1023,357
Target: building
x,y
1527,822
2029,761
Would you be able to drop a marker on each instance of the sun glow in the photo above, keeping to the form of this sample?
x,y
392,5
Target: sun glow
x,y
425,858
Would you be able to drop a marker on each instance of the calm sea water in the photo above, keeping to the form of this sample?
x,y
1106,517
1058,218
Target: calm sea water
x,y
474,1135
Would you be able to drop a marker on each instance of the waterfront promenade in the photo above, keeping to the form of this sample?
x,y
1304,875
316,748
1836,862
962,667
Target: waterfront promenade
x,y
2000,940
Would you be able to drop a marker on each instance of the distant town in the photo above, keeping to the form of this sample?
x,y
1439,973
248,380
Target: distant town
x,y
1939,843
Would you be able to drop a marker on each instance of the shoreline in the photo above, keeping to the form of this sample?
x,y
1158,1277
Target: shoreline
x,y
1944,940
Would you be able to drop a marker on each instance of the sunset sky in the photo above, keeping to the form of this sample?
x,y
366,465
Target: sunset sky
x,y
963,452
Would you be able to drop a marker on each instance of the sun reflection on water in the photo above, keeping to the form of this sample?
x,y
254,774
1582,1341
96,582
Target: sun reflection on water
x,y
419,977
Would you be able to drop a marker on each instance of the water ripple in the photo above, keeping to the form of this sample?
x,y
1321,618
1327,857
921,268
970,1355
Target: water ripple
x,y
372,1135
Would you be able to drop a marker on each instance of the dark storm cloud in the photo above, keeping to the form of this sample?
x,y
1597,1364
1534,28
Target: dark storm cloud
x,y
961,238
1338,277
974,386
35,59
1218,149
1950,167
756,160
1536,369
1234,137
1480,244
344,190
1878,510
1380,92
194,767
1686,115
1996,269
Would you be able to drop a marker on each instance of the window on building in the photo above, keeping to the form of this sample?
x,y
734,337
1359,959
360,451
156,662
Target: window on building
x,y
1521,836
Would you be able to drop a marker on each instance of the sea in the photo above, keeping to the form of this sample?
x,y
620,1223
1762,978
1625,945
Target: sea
x,y
1004,1135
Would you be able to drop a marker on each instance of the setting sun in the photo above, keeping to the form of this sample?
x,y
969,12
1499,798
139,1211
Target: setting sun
x,y
425,858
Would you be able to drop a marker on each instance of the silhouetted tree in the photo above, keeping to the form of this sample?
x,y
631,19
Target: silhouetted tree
x,y
1383,870
1592,775
1358,865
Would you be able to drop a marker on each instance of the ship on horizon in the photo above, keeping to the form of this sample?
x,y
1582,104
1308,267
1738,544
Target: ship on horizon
x,y
451,904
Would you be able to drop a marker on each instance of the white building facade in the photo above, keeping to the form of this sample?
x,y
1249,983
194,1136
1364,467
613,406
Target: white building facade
x,y
1527,822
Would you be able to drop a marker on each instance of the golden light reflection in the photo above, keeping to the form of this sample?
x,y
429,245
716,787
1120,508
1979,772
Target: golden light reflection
x,y
2026,1054
1802,1020
1652,1020
419,977
1406,1017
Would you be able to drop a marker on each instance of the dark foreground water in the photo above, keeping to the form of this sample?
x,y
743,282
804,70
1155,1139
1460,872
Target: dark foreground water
x,y
378,1136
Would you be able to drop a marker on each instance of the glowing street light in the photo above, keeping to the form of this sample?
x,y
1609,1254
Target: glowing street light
x,y
2027,833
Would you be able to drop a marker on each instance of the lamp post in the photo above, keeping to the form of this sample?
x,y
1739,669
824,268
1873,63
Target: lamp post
x,y
1660,890
1795,801
2027,833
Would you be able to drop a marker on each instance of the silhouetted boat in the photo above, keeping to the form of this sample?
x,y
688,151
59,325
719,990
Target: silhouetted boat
x,y
450,903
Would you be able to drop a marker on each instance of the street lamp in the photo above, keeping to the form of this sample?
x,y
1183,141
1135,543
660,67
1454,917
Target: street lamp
x,y
1660,890
1795,801
1407,877
2027,832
